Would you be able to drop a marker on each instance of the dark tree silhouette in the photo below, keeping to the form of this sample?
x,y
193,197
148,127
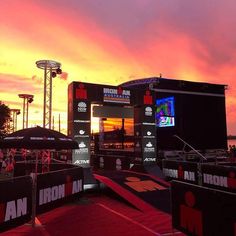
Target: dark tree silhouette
x,y
4,116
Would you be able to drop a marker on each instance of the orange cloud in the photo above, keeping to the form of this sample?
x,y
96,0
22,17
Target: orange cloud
x,y
97,44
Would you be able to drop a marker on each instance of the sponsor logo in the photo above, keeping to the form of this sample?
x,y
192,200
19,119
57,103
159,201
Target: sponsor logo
x,y
190,217
116,95
13,209
81,121
147,159
118,164
82,145
148,111
149,147
81,92
56,192
143,185
139,159
147,98
101,162
81,132
82,162
221,181
179,174
149,135
146,123
82,148
82,107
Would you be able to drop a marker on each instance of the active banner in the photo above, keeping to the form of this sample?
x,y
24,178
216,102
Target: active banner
x,y
15,202
201,211
57,187
180,170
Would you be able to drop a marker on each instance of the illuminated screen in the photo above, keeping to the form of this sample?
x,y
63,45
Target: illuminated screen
x,y
165,112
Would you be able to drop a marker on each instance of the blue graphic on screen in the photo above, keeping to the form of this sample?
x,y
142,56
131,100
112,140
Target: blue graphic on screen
x,y
165,112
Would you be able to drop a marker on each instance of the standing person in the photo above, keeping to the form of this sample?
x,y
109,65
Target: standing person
x,y
234,151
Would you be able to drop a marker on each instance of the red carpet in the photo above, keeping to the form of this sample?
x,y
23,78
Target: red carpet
x,y
144,191
98,215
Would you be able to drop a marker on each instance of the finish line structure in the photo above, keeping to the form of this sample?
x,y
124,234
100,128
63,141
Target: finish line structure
x,y
160,109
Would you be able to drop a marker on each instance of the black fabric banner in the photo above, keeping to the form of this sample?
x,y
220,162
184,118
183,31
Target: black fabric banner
x,y
201,211
15,202
56,188
180,170
219,177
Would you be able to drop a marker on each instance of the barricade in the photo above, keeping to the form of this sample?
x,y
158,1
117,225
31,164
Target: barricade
x,y
181,170
19,203
219,177
58,187
15,201
202,211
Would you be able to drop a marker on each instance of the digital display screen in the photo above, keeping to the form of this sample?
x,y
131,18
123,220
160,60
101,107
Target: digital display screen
x,y
165,112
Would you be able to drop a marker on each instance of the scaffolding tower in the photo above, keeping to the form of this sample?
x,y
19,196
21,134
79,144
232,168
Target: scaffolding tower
x,y
51,69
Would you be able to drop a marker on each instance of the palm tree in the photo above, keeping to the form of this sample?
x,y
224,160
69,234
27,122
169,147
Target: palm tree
x,y
4,117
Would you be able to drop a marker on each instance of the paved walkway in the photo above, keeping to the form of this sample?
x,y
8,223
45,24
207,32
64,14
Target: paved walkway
x,y
97,215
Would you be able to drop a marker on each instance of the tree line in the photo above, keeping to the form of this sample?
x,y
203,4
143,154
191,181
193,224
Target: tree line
x,y
5,116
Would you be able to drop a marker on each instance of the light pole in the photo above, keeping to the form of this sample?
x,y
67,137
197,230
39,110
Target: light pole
x,y
14,113
27,98
51,69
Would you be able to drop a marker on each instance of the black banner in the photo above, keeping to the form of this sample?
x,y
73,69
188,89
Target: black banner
x,y
15,202
200,211
56,188
219,177
180,170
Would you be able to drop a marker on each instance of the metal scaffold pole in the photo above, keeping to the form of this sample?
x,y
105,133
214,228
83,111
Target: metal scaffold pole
x,y
51,69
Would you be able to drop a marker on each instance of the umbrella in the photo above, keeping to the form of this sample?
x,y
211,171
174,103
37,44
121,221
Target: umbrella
x,y
38,138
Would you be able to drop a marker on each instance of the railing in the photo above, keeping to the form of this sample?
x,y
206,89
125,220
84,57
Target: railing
x,y
192,148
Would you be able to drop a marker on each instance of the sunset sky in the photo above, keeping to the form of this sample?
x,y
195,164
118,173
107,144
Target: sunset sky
x,y
113,41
